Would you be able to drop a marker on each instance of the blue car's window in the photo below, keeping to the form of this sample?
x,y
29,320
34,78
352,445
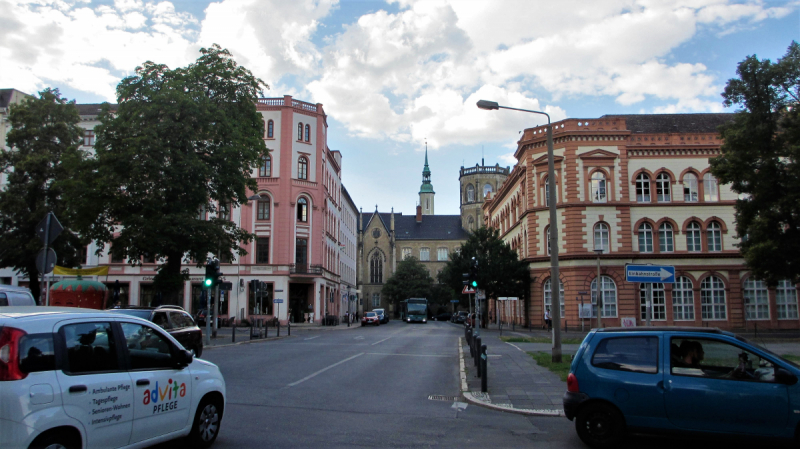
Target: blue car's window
x,y
634,354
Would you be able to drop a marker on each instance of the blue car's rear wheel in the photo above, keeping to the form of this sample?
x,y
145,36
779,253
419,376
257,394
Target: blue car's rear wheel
x,y
600,426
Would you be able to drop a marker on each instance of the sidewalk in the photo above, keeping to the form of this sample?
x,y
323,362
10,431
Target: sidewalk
x,y
225,334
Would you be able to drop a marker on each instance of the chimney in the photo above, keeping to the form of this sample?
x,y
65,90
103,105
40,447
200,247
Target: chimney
x,y
419,213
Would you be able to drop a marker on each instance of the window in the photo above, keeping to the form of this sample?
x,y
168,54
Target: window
x,y
693,237
302,168
302,210
665,242
406,253
682,299
88,138
224,211
663,194
690,188
642,188
441,254
645,238
786,300
265,170
270,129
548,248
712,299
301,253
90,347
300,131
756,299
424,254
659,301
714,236
471,224
180,320
262,250
548,295
634,354
608,294
376,300
308,133
717,359
263,210
470,193
160,319
36,353
598,187
487,189
201,214
710,188
260,298
547,192
147,348
376,268
601,237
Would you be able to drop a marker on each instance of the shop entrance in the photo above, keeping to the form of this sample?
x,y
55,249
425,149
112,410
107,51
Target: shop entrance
x,y
299,305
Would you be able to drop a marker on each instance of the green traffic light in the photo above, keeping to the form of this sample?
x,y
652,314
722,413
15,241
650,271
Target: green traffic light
x,y
474,283
208,282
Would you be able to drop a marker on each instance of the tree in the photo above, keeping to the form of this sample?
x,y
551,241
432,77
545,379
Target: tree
x,y
411,280
760,157
43,139
178,142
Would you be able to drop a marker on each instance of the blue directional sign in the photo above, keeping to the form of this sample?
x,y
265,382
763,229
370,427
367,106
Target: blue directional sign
x,y
277,301
650,273
454,300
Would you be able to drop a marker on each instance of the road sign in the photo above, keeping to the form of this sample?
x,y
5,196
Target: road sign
x,y
454,300
650,273
481,294
55,229
583,293
226,286
467,291
46,266
277,301
508,298
278,290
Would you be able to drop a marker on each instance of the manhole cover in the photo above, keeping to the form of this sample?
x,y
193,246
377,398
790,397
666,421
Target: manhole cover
x,y
437,397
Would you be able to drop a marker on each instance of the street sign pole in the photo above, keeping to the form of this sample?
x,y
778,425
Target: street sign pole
x,y
649,307
47,250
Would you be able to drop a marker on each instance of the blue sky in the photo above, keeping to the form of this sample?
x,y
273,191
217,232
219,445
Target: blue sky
x,y
395,74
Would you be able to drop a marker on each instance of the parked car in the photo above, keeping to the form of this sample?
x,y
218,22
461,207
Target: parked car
x,y
469,320
370,318
200,318
443,316
15,296
383,317
172,319
460,317
80,378
693,380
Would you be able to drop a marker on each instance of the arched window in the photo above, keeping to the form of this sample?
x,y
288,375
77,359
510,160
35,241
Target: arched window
x,y
547,192
608,294
300,131
302,210
786,300
601,237
693,237
714,236
265,170
642,188
470,193
710,188
487,189
598,187
471,224
712,299
659,301
665,242
302,168
690,187
376,268
548,295
645,238
308,133
270,129
663,194
263,209
683,300
756,299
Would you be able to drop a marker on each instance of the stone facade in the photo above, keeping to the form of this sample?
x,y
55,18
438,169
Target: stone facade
x,y
476,183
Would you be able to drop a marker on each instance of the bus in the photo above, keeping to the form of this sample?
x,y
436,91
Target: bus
x,y
415,310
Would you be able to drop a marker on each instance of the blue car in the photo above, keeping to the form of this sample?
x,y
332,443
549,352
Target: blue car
x,y
678,379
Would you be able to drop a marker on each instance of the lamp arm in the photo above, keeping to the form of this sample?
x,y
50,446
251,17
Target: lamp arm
x,y
528,110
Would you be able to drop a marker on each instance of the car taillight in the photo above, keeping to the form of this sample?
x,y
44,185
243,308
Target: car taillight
x,y
572,383
9,354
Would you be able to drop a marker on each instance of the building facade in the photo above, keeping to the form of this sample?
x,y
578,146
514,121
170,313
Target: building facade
x,y
477,183
639,190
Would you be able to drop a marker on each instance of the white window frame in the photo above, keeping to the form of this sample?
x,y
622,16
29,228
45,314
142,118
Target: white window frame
x,y
548,292
666,238
425,254
608,290
683,299
690,192
643,188
663,191
786,300
710,188
694,243
713,302
601,232
645,233
441,253
659,302
756,299
714,236
599,192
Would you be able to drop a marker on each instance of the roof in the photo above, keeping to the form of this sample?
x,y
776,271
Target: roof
x,y
673,123
92,108
6,95
432,227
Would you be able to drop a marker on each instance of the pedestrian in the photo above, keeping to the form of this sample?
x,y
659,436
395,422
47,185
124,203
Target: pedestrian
x,y
547,321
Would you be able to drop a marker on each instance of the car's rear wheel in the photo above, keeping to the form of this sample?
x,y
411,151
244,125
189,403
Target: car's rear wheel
x,y
57,440
600,426
207,421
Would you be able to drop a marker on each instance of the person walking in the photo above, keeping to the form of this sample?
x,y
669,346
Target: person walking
x,y
547,320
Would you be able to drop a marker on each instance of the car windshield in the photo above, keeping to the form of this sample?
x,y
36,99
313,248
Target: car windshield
x,y
141,313
371,314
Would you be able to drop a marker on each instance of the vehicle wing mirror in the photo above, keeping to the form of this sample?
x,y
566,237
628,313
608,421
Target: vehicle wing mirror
x,y
783,376
183,358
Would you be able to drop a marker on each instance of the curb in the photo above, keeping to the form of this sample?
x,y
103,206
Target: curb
x,y
475,397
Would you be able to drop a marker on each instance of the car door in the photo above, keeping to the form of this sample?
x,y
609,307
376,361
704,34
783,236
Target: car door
x,y
162,392
720,386
95,388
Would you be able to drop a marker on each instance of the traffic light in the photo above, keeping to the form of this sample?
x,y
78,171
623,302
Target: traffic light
x,y
213,274
473,274
254,286
466,277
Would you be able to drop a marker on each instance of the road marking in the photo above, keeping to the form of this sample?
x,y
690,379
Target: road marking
x,y
360,337
380,341
324,369
515,346
409,355
311,338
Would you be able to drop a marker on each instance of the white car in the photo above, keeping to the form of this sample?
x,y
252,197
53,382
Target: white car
x,y
76,378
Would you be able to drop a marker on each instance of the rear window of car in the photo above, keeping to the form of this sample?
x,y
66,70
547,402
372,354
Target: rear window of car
x,y
633,354
36,353
181,319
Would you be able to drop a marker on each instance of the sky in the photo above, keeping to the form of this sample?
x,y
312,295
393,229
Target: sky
x,y
397,75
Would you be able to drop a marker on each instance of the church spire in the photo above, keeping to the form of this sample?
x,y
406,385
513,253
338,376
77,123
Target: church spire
x,y
426,192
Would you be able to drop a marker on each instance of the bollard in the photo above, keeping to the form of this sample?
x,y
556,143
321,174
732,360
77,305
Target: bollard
x,y
251,328
469,342
477,358
278,326
266,329
289,328
233,332
484,363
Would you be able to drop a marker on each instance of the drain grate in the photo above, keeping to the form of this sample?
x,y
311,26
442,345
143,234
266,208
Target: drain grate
x,y
438,397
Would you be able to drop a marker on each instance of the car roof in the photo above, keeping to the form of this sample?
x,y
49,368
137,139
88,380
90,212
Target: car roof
x,y
22,312
671,329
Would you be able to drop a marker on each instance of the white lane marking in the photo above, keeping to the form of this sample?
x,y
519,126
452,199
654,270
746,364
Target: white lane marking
x,y
380,341
410,355
515,346
311,338
324,369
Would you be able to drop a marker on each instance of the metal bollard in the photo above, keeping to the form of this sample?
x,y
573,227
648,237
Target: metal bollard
x,y
477,358
484,363
233,332
251,328
469,342
278,325
289,328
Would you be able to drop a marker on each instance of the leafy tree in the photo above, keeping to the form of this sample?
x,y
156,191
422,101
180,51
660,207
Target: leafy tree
x,y
760,159
44,137
179,141
500,272
411,280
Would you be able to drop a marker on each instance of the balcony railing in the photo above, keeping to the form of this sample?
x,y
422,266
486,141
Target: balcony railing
x,y
484,170
297,268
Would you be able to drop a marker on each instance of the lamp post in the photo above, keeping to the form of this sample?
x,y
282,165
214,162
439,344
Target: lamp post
x,y
349,314
598,290
551,181
255,197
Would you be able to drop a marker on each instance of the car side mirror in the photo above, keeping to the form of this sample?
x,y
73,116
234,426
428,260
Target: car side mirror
x,y
183,358
783,376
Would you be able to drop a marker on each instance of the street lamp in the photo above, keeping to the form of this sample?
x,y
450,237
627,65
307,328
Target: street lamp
x,y
598,290
551,181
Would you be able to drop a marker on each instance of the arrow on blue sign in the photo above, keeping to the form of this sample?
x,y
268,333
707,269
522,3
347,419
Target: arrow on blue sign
x,y
650,273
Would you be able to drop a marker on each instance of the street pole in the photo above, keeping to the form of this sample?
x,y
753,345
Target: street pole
x,y
649,305
208,316
599,291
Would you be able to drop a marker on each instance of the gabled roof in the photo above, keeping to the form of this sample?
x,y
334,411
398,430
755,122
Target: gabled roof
x,y
673,123
432,227
384,217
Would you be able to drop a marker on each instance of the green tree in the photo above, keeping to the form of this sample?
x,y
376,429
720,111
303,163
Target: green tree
x,y
760,157
411,280
179,142
44,137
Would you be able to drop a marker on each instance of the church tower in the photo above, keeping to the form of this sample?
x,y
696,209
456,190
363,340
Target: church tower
x,y
426,192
